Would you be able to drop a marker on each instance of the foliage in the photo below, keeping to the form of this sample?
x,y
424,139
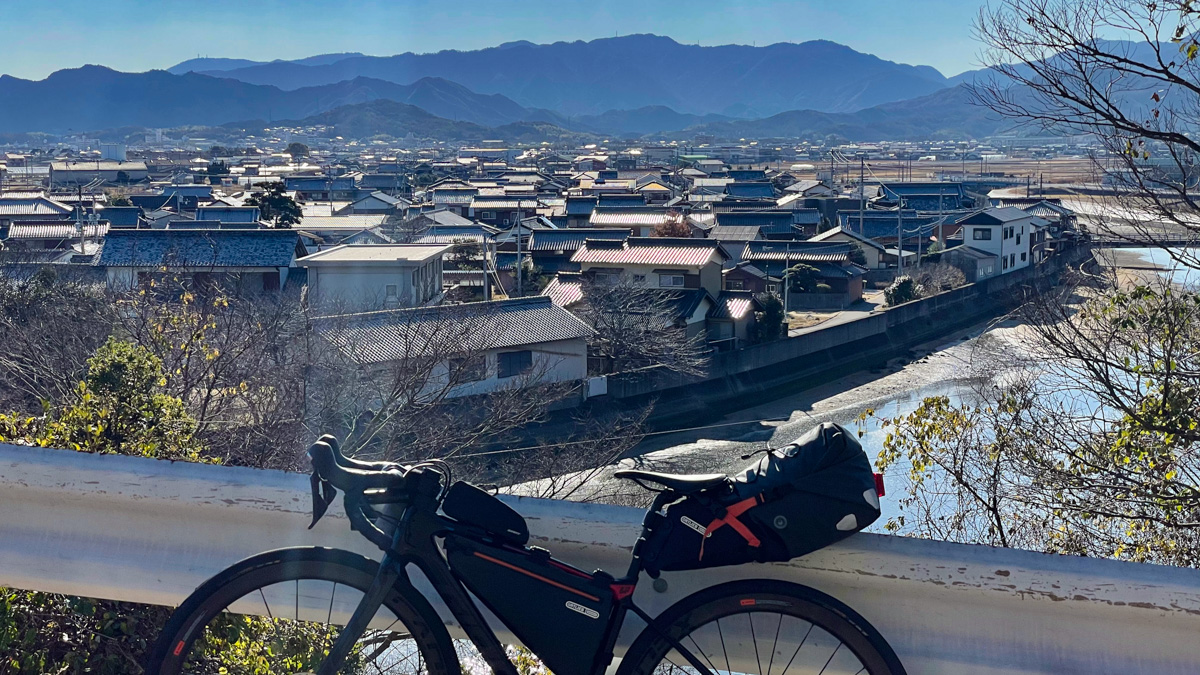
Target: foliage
x,y
275,205
1094,452
297,150
675,227
802,278
937,277
768,324
119,199
218,168
466,254
857,255
900,291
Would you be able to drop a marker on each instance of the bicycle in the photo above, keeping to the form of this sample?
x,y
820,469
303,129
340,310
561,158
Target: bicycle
x,y
368,617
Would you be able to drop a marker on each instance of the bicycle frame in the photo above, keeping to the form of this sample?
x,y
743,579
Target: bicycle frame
x,y
413,541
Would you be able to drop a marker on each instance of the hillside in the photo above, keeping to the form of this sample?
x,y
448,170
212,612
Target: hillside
x,y
947,114
398,120
635,71
94,97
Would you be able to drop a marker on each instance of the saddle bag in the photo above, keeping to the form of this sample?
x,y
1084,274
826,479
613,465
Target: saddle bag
x,y
560,612
792,501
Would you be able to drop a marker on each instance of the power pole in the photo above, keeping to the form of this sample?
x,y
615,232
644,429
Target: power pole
x,y
899,235
520,290
862,194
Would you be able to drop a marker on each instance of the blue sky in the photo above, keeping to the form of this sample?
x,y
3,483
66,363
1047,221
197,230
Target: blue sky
x,y
135,35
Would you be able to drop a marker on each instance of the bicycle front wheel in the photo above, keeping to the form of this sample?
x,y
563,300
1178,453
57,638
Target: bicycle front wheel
x,y
763,627
279,612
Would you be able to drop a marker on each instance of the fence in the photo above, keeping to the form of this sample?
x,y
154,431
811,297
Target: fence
x,y
149,531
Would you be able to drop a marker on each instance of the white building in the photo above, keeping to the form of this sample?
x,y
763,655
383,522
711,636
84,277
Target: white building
x,y
481,347
1005,232
366,277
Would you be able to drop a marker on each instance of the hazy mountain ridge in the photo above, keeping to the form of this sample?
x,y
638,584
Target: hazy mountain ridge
x,y
102,98
636,71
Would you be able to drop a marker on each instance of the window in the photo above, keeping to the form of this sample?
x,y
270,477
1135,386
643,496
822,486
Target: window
x,y
488,215
735,285
1005,260
510,364
639,278
1022,257
670,280
468,369
1012,259
270,281
390,290
982,234
606,277
1018,239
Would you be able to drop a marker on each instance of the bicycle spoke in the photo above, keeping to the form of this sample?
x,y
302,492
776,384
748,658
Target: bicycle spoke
x,y
265,604
723,649
774,644
701,650
754,641
835,651
798,648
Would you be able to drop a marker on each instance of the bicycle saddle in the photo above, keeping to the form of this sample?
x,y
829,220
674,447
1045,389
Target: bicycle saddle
x,y
683,484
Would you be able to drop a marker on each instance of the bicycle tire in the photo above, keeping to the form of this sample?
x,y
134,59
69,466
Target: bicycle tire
x,y
684,618
343,568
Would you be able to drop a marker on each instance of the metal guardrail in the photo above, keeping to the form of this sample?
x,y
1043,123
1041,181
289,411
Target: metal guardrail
x,y
150,531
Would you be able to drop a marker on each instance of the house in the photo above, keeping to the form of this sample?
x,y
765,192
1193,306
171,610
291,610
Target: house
x,y
579,211
229,214
122,216
775,224
551,250
51,236
731,319
763,190
655,262
482,347
810,188
252,259
322,188
502,210
375,203
832,268
976,265
640,220
1004,232
886,226
748,277
359,278
872,250
71,174
927,196
591,162
15,209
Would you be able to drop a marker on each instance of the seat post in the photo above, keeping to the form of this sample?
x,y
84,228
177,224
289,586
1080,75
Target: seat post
x,y
651,519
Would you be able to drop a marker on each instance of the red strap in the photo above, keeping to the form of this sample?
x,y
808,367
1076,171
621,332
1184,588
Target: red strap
x,y
731,520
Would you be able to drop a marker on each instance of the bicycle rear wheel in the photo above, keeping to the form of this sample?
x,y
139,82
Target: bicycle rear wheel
x,y
279,612
763,627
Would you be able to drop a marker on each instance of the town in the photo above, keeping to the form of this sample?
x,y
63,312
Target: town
x,y
553,339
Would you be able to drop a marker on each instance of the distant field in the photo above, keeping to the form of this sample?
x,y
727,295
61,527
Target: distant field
x,y
1059,170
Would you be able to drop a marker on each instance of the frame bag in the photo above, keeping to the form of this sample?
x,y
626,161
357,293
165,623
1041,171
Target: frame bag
x,y
793,501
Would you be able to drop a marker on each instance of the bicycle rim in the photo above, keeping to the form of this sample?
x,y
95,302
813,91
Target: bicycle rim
x,y
278,613
763,628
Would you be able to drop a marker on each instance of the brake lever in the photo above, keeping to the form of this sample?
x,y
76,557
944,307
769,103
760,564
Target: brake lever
x,y
323,494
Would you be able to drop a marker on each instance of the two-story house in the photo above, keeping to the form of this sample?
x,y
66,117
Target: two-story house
x,y
366,277
1004,232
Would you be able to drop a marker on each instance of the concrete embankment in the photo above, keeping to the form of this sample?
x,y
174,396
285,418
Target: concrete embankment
x,y
757,372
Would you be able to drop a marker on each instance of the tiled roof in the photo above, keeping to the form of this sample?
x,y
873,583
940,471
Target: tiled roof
x,y
571,239
829,234
121,216
199,248
65,230
349,222
732,305
565,289
630,216
228,214
457,197
796,251
36,206
496,204
734,232
651,251
379,337
751,190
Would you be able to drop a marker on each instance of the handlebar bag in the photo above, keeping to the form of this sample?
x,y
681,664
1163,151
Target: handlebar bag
x,y
559,612
792,501
468,504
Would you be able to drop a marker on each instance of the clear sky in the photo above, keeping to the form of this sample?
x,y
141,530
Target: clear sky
x,y
38,38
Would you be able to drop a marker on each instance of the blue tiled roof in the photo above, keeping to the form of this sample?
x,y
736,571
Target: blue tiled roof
x,y
198,248
751,190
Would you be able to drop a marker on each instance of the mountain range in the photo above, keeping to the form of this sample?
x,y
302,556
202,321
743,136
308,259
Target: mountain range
x,y
630,72
632,86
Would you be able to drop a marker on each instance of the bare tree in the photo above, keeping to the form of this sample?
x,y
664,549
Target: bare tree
x,y
639,327
1051,67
